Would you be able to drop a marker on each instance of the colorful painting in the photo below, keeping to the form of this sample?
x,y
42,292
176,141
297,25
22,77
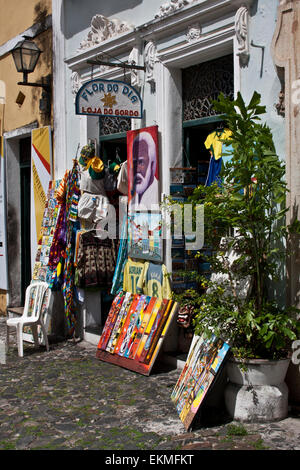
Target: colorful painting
x,y
133,338
143,169
41,270
145,236
140,327
119,323
201,368
111,319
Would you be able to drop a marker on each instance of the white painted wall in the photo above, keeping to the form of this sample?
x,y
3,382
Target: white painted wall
x,y
262,27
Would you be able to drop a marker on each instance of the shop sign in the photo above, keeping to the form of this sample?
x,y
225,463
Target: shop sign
x,y
108,98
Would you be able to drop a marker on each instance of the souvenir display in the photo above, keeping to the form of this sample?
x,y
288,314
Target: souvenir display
x,y
43,270
203,363
134,331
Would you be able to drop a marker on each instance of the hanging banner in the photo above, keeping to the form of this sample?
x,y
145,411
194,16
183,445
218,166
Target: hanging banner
x,y
3,239
109,98
143,169
41,170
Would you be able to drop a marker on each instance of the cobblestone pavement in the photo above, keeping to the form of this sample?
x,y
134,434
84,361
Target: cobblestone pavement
x,y
69,399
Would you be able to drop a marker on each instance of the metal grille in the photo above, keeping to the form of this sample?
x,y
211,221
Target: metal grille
x,y
202,83
113,125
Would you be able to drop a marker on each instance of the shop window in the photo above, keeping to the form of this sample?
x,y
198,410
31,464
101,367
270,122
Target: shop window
x,y
201,84
114,125
112,137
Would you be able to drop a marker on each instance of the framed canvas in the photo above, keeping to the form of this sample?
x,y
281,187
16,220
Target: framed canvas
x,y
200,370
145,236
143,169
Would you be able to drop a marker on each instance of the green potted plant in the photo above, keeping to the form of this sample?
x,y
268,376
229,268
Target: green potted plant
x,y
246,230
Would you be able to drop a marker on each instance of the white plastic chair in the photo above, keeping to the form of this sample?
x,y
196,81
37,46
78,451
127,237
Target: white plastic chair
x,y
32,315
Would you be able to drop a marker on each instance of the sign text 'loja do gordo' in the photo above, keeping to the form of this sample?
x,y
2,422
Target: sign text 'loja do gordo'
x,y
108,98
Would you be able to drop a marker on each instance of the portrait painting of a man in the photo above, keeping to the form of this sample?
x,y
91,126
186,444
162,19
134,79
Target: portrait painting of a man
x,y
142,156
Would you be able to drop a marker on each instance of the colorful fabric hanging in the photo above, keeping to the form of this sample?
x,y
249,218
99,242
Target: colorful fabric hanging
x,y
58,246
117,283
96,261
60,193
214,143
72,191
68,288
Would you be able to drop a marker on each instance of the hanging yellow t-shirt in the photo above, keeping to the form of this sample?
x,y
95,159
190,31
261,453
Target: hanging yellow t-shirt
x,y
213,142
154,281
132,272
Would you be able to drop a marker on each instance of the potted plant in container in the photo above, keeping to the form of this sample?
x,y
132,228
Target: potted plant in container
x,y
246,230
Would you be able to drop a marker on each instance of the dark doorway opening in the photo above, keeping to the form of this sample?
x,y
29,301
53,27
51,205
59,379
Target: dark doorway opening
x,y
25,179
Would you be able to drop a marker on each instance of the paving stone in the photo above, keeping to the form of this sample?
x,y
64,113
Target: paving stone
x,y
68,399
24,442
197,446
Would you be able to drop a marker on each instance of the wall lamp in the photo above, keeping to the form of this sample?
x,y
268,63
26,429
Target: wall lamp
x,y
26,55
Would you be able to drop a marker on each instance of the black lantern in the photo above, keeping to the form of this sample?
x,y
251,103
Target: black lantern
x,y
26,54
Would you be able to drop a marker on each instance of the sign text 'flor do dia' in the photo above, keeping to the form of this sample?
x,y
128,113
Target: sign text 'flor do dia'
x,y
108,98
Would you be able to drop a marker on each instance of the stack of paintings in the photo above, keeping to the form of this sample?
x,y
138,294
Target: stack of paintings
x,y
135,330
41,270
205,357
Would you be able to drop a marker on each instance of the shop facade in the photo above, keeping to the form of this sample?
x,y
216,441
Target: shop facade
x,y
188,52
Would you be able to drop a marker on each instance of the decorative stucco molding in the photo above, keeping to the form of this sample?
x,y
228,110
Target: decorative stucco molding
x,y
75,83
172,6
194,32
241,31
150,59
280,106
102,29
133,60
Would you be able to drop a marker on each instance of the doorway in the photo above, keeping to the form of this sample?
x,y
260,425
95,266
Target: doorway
x,y
25,179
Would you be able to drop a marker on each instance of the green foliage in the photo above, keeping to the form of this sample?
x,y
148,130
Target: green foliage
x,y
251,206
236,430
